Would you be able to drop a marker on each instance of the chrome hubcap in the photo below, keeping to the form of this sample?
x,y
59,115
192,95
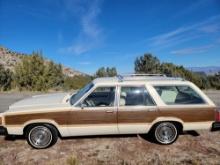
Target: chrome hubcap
x,y
166,133
40,137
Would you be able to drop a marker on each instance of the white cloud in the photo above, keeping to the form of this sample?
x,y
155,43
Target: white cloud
x,y
192,50
186,33
213,28
90,34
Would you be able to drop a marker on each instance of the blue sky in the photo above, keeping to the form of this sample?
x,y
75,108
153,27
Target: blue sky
x,y
88,34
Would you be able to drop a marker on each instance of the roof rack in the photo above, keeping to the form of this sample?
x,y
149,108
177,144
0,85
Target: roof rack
x,y
133,77
142,74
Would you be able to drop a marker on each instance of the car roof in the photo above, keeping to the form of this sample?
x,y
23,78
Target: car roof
x,y
137,79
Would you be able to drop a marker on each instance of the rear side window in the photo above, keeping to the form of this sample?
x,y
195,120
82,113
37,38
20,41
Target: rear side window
x,y
132,96
172,95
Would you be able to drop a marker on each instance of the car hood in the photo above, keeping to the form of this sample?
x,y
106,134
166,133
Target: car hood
x,y
41,102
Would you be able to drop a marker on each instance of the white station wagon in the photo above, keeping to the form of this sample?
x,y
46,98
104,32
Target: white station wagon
x,y
132,104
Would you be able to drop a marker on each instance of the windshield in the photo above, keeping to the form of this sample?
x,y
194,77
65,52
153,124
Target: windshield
x,y
80,93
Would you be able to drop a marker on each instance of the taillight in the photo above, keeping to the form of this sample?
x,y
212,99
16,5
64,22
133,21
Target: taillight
x,y
217,114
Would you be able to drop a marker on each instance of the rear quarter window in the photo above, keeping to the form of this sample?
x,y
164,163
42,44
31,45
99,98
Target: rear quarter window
x,y
180,94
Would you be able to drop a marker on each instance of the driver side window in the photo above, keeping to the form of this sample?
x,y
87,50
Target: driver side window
x,y
100,97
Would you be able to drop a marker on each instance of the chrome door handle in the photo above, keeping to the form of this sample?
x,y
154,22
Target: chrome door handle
x,y
109,111
151,109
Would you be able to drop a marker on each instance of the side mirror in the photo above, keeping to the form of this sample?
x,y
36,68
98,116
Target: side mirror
x,y
82,105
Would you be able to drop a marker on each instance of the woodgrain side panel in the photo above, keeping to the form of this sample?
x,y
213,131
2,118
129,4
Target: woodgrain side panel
x,y
190,115
19,119
185,114
131,116
92,117
66,117
85,117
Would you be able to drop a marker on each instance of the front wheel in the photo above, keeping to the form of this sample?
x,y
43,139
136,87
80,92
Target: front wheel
x,y
41,136
165,133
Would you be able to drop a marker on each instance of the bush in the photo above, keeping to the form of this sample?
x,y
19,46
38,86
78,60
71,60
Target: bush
x,y
106,72
34,73
215,81
150,64
76,82
147,64
6,77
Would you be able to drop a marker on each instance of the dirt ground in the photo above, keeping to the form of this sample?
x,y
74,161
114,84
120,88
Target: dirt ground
x,y
202,147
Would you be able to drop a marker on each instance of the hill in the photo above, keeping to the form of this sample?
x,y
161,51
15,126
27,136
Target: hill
x,y
208,70
9,58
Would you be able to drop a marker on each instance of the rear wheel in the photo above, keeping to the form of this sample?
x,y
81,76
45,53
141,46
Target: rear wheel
x,y
165,133
41,136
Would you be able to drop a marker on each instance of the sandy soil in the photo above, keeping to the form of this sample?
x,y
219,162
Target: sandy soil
x,y
202,147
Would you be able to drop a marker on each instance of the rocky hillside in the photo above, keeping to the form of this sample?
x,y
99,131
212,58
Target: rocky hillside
x,y
10,58
71,72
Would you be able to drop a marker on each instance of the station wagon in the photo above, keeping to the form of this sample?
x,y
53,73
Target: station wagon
x,y
131,104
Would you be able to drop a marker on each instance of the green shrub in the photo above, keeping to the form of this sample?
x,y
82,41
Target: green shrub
x,y
150,64
106,72
34,73
6,77
76,82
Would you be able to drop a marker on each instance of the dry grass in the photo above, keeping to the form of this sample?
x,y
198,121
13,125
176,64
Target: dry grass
x,y
124,150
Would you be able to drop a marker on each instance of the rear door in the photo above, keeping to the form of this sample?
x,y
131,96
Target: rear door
x,y
136,109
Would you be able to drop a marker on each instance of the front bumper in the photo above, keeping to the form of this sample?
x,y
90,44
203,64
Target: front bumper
x,y
3,131
215,126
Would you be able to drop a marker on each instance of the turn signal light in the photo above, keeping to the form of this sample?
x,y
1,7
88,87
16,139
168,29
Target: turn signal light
x,y
217,115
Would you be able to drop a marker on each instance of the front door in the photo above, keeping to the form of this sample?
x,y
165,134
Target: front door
x,y
136,110
96,114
